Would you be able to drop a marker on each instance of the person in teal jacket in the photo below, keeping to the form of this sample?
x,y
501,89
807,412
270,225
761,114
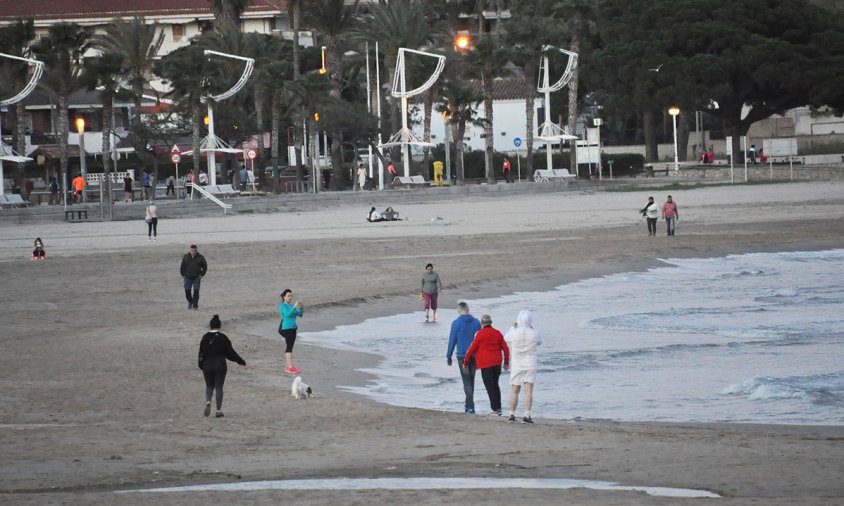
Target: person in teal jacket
x,y
287,327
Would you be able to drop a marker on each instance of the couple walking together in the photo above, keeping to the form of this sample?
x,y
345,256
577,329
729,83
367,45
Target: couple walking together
x,y
480,346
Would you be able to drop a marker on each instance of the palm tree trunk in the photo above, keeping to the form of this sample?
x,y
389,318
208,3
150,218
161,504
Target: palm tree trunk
x,y
259,119
107,128
275,113
295,8
460,131
63,132
575,48
649,125
426,128
20,133
530,108
196,118
488,135
314,154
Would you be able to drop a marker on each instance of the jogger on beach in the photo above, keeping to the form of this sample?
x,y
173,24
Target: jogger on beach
x,y
214,349
287,327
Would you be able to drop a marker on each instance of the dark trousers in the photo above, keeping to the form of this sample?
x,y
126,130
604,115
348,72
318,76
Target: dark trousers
x,y
214,380
651,225
467,374
490,376
508,175
153,227
192,283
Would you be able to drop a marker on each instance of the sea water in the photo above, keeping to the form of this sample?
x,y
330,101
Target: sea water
x,y
755,338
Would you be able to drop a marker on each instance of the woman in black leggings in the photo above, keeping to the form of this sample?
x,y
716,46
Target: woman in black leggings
x,y
214,349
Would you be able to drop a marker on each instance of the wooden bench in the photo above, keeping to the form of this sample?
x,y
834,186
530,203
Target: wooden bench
x,y
13,200
650,171
79,212
409,181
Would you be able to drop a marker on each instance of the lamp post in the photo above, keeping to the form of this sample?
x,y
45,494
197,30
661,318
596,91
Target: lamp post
x,y
447,148
674,112
598,122
80,127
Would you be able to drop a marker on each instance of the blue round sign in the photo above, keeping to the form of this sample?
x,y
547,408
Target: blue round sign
x,y
517,141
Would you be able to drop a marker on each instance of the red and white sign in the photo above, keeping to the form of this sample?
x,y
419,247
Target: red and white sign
x,y
251,154
175,149
176,158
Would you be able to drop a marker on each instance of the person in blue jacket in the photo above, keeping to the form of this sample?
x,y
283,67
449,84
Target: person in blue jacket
x,y
287,327
463,330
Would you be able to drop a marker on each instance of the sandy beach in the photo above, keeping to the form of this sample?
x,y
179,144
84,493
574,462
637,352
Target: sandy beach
x,y
101,391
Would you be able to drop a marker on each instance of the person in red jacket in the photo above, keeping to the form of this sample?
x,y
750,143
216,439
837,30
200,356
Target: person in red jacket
x,y
488,344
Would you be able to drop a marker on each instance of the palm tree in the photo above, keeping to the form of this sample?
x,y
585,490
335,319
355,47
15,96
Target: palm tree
x,y
228,12
182,70
578,20
532,24
139,43
486,58
332,19
104,73
461,99
15,40
61,50
308,95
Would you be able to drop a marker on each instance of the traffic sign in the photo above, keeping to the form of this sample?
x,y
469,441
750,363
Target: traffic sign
x,y
175,149
251,154
175,158
517,142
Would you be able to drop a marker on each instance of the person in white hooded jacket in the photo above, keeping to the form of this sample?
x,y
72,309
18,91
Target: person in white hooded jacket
x,y
523,341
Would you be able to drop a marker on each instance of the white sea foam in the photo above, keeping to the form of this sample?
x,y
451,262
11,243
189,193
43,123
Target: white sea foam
x,y
749,338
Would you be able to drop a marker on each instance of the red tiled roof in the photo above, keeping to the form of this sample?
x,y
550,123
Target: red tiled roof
x,y
77,9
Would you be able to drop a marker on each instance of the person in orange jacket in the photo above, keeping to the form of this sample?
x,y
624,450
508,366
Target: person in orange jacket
x,y
489,344
78,188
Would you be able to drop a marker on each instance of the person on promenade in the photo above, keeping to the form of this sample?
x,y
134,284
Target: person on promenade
x,y
651,213
361,177
152,221
214,349
78,188
752,154
147,186
287,327
508,175
171,186
54,191
128,192
489,345
670,214
203,178
523,340
193,268
431,287
463,330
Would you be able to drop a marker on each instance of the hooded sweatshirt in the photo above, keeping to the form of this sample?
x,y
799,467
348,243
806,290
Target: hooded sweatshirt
x,y
523,341
463,330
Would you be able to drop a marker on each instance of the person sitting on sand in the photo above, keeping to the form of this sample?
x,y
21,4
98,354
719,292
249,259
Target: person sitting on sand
x,y
374,216
38,252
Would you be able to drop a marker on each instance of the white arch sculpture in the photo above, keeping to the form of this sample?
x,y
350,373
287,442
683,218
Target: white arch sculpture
x,y
211,143
549,131
405,136
6,152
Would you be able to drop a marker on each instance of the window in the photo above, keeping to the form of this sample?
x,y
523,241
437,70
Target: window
x,y
178,32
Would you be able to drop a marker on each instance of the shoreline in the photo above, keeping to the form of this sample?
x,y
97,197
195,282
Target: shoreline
x,y
100,353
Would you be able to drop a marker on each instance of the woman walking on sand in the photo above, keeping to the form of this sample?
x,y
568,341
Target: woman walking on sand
x,y
287,327
489,344
214,349
152,221
431,287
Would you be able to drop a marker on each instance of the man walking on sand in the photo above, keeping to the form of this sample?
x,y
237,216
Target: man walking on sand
x,y
463,330
192,269
523,340
670,214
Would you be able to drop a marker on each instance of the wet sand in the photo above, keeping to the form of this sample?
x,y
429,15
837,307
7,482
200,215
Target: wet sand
x,y
101,390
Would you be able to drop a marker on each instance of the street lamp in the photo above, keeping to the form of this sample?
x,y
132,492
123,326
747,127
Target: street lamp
x,y
598,122
80,127
323,69
462,41
674,112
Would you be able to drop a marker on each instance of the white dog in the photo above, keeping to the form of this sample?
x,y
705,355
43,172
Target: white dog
x,y
299,389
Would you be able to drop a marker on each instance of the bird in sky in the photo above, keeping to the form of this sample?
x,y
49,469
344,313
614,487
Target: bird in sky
x,y
656,69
